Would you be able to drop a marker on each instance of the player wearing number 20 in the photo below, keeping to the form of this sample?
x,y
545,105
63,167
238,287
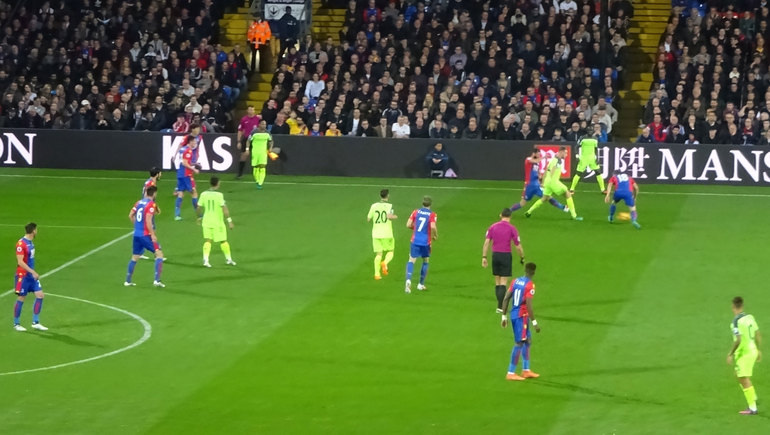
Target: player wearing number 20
x,y
143,217
381,214
423,222
626,190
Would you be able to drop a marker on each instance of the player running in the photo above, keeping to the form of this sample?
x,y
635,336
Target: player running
x,y
27,279
142,215
423,222
381,214
261,143
626,190
195,132
501,234
745,352
553,186
213,212
532,183
587,160
521,293
184,176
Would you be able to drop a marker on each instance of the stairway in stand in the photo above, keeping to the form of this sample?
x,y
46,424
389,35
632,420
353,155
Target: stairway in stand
x,y
233,29
646,27
327,22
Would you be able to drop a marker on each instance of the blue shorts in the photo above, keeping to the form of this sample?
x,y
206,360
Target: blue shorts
x,y
531,191
521,330
626,197
185,184
144,242
24,284
417,251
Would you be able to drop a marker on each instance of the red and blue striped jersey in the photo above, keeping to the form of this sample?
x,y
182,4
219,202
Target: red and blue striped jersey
x,y
521,289
144,211
26,249
422,219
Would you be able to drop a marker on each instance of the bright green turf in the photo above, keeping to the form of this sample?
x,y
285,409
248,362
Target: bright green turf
x,y
298,338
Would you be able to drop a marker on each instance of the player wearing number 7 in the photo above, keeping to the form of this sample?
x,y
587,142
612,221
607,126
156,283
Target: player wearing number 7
x,y
381,214
626,190
745,351
423,223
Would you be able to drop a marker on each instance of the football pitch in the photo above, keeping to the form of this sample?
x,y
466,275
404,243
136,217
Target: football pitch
x,y
298,337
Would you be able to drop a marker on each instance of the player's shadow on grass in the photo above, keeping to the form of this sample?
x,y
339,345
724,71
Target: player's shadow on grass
x,y
66,339
211,295
581,321
617,371
586,303
594,392
95,323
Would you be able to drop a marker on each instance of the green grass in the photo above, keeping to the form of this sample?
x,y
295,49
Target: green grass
x,y
298,338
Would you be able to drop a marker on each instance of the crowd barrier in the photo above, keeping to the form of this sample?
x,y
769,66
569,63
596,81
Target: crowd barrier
x,y
377,157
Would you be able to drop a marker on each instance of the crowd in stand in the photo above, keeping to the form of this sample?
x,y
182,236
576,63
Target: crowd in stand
x,y
475,69
711,75
116,65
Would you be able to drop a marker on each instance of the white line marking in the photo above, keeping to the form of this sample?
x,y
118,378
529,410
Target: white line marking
x,y
75,260
80,227
146,336
379,185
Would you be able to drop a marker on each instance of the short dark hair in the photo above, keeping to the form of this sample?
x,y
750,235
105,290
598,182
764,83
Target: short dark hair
x,y
195,124
214,181
384,193
154,171
530,268
151,190
427,201
563,148
738,302
506,212
30,227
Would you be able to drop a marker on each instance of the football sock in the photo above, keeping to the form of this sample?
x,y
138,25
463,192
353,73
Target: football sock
x,y
377,261
516,206
515,353
131,266
535,206
409,269
36,310
262,172
423,272
613,207
206,251
751,397
255,172
575,180
634,216
241,165
226,250
17,312
178,207
388,257
525,356
158,268
571,205
500,294
556,203
600,180
195,203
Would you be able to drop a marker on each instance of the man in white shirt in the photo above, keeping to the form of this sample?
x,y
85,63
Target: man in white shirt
x,y
401,129
568,7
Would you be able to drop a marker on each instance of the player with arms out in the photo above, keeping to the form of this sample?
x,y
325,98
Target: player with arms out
x,y
27,279
520,295
142,215
532,183
213,213
423,223
500,235
554,186
184,176
261,143
745,352
626,190
381,214
587,160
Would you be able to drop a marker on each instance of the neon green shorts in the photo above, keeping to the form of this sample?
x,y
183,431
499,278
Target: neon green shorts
x,y
587,162
554,188
217,234
744,365
259,157
383,245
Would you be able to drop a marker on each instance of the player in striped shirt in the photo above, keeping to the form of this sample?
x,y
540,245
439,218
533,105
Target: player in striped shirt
x,y
520,296
626,190
423,222
27,279
381,215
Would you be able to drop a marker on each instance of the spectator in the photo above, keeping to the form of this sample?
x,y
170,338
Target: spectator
x,y
366,130
401,129
332,130
646,136
384,129
438,160
657,129
288,29
438,131
280,126
181,125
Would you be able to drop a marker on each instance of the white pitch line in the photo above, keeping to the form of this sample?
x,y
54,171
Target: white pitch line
x,y
146,336
404,186
76,259
80,227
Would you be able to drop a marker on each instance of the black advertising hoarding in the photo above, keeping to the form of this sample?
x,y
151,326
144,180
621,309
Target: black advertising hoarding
x,y
125,151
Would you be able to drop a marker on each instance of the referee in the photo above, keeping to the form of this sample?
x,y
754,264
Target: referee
x,y
501,234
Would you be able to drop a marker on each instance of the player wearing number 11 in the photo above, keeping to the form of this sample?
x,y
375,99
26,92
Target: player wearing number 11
x,y
423,222
381,214
213,212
